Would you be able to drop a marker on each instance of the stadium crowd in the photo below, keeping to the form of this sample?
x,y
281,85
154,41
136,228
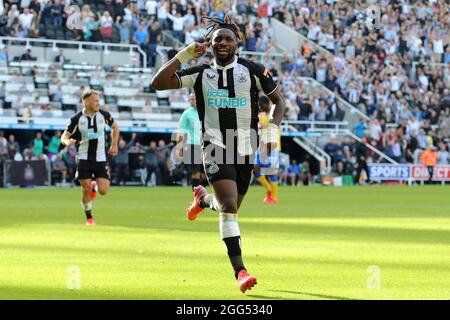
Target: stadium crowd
x,y
398,75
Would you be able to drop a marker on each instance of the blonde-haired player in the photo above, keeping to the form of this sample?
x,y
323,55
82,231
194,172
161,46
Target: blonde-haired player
x,y
86,130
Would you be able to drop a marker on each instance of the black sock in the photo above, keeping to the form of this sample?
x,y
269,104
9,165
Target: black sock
x,y
88,214
195,183
235,254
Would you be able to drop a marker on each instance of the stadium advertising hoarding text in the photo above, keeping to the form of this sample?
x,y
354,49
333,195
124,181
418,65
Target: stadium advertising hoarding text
x,y
406,172
440,172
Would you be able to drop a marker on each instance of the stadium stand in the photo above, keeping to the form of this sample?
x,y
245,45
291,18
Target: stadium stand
x,y
390,85
397,75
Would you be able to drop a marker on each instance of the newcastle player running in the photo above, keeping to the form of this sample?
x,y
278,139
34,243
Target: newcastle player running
x,y
87,130
227,102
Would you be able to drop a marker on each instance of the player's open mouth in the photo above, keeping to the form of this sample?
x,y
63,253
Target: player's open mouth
x,y
223,52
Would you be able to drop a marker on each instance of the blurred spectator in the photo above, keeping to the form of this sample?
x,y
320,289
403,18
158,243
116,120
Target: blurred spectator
x,y
28,154
25,19
429,159
38,145
60,59
122,160
140,36
359,129
57,94
154,38
151,6
91,28
119,10
305,174
13,147
5,56
162,157
2,92
17,105
36,6
292,110
151,161
53,146
361,159
56,11
3,139
162,12
106,26
331,148
178,25
69,156
443,154
294,173
148,106
375,132
59,168
3,155
124,29
13,13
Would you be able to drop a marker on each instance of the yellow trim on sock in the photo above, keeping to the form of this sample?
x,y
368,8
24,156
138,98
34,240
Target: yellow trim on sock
x,y
274,186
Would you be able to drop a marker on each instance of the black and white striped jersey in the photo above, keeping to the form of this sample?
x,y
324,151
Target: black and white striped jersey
x,y
227,99
89,131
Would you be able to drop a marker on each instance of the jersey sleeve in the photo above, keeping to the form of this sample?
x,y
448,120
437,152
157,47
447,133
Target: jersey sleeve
x,y
187,77
72,125
108,118
264,81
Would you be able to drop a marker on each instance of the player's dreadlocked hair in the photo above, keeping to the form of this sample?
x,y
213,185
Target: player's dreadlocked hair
x,y
216,23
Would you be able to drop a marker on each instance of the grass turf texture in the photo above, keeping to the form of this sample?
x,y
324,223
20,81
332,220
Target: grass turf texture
x,y
318,243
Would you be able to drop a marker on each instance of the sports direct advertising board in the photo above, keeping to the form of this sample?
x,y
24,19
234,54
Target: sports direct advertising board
x,y
406,172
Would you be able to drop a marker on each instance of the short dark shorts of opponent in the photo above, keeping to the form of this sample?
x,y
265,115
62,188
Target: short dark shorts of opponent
x,y
91,169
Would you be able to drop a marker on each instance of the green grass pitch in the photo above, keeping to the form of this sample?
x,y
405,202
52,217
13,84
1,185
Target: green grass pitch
x,y
319,243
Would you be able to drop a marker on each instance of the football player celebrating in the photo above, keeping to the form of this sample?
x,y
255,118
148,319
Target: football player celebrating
x,y
227,102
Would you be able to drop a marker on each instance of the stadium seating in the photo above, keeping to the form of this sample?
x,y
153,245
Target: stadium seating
x,y
127,103
361,71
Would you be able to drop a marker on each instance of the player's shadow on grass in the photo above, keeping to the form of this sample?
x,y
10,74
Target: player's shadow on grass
x,y
321,296
257,296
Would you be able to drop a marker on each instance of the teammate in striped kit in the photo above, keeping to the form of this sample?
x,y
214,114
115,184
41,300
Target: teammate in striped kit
x,y
227,102
86,130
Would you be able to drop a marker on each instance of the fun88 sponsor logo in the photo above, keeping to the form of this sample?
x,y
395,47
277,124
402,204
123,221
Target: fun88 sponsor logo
x,y
91,135
389,172
218,98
